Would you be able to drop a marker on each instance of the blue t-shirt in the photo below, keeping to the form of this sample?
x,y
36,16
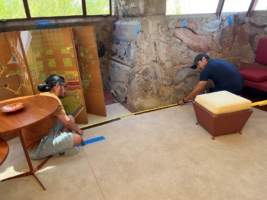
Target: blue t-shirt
x,y
224,75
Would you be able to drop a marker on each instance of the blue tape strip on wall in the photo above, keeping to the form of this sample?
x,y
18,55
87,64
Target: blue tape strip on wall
x,y
184,23
230,21
47,26
42,22
137,29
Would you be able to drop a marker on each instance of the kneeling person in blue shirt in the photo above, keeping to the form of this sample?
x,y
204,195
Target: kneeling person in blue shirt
x,y
223,74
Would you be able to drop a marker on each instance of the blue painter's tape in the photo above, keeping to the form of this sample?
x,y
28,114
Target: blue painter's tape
x,y
230,21
42,22
47,26
137,29
92,140
184,23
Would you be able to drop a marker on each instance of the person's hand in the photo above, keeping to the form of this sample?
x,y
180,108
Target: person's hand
x,y
181,102
80,132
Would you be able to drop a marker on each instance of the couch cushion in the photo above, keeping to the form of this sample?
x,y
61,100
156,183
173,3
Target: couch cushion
x,y
257,85
223,102
254,74
261,54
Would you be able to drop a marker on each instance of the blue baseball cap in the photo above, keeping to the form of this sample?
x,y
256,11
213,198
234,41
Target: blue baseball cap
x,y
198,58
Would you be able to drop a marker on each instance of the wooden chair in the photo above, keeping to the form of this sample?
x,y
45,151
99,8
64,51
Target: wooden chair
x,y
4,149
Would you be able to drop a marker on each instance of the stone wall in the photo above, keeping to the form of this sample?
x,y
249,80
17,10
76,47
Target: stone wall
x,y
150,56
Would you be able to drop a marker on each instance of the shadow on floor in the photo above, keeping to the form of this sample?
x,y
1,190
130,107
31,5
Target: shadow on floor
x,y
254,96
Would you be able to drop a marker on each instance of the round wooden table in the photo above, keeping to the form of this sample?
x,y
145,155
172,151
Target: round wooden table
x,y
36,108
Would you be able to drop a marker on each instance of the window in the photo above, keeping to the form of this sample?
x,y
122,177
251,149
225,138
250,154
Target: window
x,y
14,9
97,7
236,6
175,7
261,5
48,8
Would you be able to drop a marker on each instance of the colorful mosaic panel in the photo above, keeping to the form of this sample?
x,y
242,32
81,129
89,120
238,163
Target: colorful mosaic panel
x,y
67,62
49,52
51,63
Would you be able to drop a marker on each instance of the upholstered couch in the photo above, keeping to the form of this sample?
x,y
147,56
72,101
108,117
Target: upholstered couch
x,y
255,74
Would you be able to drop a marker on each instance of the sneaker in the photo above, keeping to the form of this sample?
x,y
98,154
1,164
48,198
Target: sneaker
x,y
68,152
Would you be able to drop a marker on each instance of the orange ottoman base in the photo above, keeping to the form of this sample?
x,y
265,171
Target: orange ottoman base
x,y
221,124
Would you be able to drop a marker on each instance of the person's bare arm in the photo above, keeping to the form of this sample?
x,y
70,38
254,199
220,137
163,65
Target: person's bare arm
x,y
194,93
69,124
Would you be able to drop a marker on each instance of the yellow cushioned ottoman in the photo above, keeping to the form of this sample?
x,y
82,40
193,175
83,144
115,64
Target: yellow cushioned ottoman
x,y
222,112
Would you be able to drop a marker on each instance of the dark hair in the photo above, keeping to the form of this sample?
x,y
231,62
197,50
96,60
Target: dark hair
x,y
50,82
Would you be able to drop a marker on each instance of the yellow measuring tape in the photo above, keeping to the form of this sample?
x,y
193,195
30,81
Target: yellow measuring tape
x,y
130,114
258,103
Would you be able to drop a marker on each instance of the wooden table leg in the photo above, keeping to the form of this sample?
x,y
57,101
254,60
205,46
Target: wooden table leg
x,y
4,149
32,171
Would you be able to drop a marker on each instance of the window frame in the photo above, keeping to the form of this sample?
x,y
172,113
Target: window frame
x,y
220,5
252,7
83,15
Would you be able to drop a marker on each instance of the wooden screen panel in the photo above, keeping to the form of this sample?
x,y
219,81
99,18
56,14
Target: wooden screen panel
x,y
87,54
36,58
17,64
10,72
9,87
51,52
